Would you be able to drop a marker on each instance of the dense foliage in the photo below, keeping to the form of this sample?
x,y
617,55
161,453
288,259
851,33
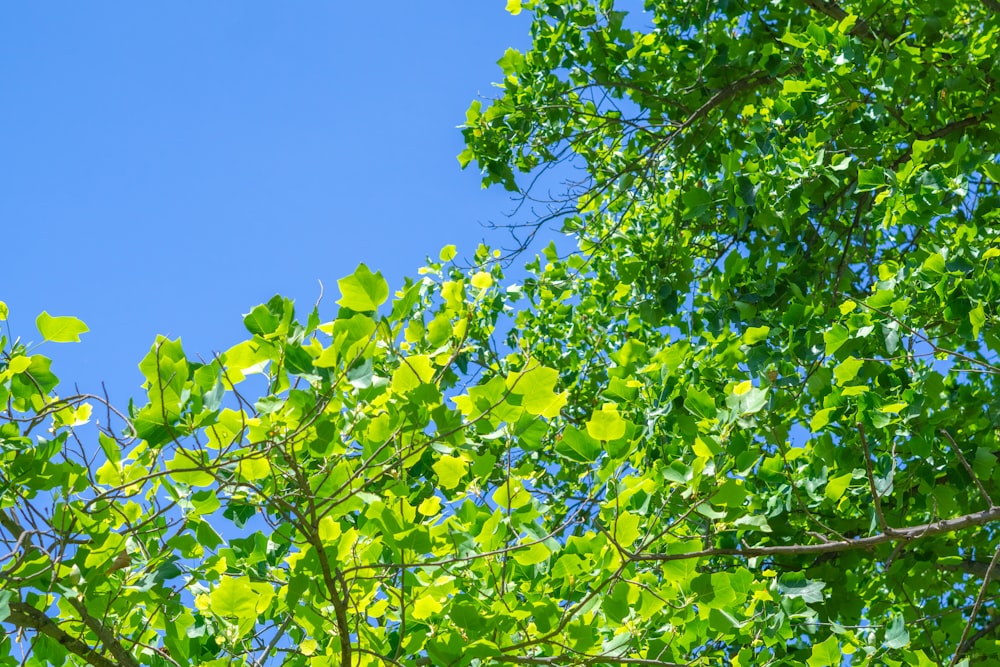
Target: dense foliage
x,y
752,421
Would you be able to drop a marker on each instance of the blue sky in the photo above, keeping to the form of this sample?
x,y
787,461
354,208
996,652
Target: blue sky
x,y
167,166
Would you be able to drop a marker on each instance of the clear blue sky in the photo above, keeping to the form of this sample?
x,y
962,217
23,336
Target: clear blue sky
x,y
168,165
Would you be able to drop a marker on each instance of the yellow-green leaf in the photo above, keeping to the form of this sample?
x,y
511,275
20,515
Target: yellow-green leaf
x,y
820,419
512,494
450,470
19,364
448,253
252,469
235,598
791,86
308,646
425,607
836,487
411,373
754,335
847,370
430,506
189,468
329,530
60,329
826,654
536,387
606,424
536,553
977,318
482,280
363,290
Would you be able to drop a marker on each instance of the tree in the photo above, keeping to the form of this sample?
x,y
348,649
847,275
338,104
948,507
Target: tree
x,y
752,421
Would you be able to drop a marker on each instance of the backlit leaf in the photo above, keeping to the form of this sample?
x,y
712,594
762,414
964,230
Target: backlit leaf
x,y
59,329
363,290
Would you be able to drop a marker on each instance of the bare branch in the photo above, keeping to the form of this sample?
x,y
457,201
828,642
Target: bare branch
x,y
876,499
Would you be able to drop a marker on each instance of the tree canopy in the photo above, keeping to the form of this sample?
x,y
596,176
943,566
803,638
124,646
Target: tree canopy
x,y
751,420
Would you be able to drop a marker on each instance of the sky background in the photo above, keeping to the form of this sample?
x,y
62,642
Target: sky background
x,y
167,166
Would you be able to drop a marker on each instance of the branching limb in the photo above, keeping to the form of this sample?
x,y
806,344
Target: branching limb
x,y
26,617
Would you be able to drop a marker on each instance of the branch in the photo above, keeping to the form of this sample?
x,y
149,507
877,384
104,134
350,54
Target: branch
x,y
876,499
911,534
985,630
26,617
834,11
107,637
964,645
968,468
589,660
720,97
974,567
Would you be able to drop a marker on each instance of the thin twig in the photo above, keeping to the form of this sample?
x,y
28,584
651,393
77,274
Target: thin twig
x,y
876,500
962,648
968,468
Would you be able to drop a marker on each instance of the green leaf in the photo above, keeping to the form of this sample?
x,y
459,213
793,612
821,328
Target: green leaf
x,y
870,179
59,329
731,493
234,597
700,403
754,335
450,471
363,290
793,87
606,424
796,585
826,654
696,202
753,401
536,387
847,370
532,555
261,321
934,265
411,373
896,635
578,445
836,487
977,318
836,336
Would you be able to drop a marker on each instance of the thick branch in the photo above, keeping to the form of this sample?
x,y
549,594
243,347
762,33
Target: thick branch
x,y
719,98
26,617
105,634
910,534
